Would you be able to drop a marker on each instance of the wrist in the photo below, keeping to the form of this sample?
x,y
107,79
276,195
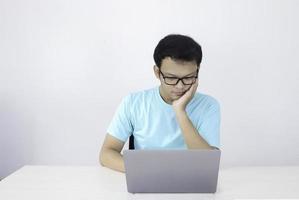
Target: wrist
x,y
180,111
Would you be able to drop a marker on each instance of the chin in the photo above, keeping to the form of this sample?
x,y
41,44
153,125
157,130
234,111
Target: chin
x,y
175,98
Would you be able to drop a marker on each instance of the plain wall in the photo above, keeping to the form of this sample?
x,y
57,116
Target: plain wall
x,y
66,65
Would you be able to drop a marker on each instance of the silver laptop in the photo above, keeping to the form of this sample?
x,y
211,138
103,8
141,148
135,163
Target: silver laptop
x,y
159,171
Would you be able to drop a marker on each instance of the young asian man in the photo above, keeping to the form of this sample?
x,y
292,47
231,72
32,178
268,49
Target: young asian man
x,y
170,116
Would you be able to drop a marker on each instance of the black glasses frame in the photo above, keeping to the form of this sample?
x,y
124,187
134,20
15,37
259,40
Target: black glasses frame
x,y
179,79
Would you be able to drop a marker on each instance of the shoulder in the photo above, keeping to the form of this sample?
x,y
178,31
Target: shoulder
x,y
141,96
205,101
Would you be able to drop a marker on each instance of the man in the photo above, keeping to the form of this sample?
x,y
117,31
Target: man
x,y
171,116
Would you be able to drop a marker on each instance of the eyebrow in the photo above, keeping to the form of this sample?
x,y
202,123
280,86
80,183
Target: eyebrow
x,y
177,76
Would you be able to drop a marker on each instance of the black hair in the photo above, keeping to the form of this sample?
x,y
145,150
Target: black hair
x,y
177,47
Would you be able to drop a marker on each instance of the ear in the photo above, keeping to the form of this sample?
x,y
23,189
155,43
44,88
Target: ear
x,y
157,72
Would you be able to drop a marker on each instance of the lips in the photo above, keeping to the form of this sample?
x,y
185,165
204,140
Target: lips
x,y
178,93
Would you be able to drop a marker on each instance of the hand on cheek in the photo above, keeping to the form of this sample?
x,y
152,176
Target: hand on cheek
x,y
181,103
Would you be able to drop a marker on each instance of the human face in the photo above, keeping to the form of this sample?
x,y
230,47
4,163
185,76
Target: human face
x,y
174,68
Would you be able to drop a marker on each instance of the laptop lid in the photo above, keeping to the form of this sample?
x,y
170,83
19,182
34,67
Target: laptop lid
x,y
194,171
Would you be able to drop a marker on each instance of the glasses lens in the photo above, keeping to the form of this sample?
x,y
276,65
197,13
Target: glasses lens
x,y
170,81
189,80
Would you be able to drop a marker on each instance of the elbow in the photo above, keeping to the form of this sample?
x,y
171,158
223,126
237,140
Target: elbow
x,y
214,148
101,158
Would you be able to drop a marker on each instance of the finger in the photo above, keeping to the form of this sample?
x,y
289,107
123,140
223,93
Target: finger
x,y
195,85
197,81
192,89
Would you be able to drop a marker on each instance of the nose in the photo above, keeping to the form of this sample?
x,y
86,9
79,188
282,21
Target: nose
x,y
180,84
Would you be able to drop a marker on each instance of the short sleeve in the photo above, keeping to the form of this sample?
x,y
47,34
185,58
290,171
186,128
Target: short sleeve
x,y
210,126
121,127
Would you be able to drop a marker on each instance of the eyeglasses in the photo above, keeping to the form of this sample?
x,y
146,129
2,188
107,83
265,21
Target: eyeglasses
x,y
175,80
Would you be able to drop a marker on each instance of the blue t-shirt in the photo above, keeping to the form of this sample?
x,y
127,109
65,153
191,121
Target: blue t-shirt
x,y
153,122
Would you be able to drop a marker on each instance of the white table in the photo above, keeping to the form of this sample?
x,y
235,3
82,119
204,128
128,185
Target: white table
x,y
96,182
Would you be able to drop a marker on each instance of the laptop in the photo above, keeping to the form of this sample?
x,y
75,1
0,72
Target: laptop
x,y
172,171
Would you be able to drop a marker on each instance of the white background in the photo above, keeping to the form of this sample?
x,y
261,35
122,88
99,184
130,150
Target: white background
x,y
65,65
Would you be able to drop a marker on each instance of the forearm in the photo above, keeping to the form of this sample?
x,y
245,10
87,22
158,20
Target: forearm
x,y
192,138
112,159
